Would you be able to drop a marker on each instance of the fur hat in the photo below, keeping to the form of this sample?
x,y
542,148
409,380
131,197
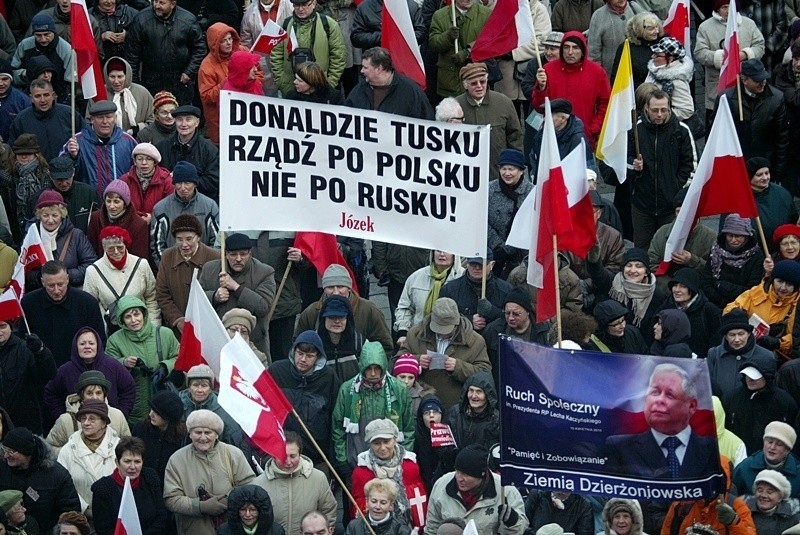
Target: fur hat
x,y
406,363
96,407
336,275
147,149
168,405
186,223
120,188
49,197
781,431
76,519
239,316
205,418
776,479
20,439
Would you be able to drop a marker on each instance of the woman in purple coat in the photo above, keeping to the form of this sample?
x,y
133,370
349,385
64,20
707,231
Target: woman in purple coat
x,y
88,354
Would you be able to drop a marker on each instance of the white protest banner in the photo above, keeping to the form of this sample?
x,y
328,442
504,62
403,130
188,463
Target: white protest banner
x,y
297,166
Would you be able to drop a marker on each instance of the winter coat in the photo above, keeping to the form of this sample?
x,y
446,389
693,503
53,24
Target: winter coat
x,y
404,97
744,475
81,199
764,131
775,207
297,493
411,306
367,320
392,526
568,138
366,30
99,163
255,293
669,158
148,495
165,49
158,447
699,243
502,210
142,101
18,186
327,46
675,78
732,281
729,444
231,433
23,375
637,522
466,346
724,363
675,333
577,515
764,301
143,344
469,428
200,152
708,50
356,407
160,186
57,323
704,318
142,284
631,340
52,128
444,503
14,102
448,81
78,256
225,11
641,54
466,293
612,253
118,21
46,486
174,279
67,423
398,261
167,209
57,51
218,470
607,31
154,133
585,78
537,333
8,261
748,412
121,394
267,525
413,486
786,515
573,15
87,466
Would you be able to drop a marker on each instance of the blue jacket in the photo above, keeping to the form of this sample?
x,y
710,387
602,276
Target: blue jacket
x,y
14,102
99,163
744,475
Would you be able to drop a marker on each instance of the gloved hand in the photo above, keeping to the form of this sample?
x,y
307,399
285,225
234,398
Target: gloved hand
x,y
159,375
726,514
507,515
453,34
214,506
594,254
770,342
461,58
485,308
34,343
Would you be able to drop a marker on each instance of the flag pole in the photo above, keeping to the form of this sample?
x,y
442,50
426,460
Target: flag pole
x,y
453,13
72,91
761,234
483,279
739,95
278,293
536,48
558,290
635,119
333,470
222,251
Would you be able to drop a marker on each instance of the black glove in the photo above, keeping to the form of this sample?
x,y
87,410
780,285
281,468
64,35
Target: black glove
x,y
507,515
485,308
213,506
461,58
770,342
159,375
453,34
34,343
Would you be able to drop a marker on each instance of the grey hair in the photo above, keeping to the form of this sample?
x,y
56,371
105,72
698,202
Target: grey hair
x,y
689,388
447,109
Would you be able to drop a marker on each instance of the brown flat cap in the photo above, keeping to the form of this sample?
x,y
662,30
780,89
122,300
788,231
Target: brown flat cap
x,y
473,70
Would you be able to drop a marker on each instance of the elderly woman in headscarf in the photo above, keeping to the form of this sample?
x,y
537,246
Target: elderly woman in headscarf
x,y
735,263
422,289
771,505
386,459
147,181
622,517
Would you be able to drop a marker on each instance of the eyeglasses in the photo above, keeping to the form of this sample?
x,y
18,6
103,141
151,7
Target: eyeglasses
x,y
512,313
787,243
617,323
165,113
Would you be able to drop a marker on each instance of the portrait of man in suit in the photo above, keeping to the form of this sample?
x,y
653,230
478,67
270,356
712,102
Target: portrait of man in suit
x,y
670,449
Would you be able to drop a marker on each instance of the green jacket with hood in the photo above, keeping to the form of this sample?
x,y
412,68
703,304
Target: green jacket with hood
x,y
357,405
142,343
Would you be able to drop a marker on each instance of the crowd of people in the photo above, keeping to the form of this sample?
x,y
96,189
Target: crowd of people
x,y
124,194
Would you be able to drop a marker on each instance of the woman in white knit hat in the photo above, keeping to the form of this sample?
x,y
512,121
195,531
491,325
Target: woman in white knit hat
x,y
772,507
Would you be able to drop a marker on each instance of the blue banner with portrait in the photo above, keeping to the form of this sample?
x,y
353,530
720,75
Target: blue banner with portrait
x,y
626,426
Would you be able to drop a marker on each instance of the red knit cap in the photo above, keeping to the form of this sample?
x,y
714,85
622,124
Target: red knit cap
x,y
406,363
785,230
116,232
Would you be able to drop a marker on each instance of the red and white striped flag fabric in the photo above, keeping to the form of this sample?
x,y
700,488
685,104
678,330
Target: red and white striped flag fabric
x,y
33,254
203,335
10,308
677,23
291,44
731,63
271,35
250,395
128,516
397,36
89,70
579,199
721,184
509,26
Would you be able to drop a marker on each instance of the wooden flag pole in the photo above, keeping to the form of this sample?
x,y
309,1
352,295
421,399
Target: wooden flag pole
x,y
739,94
761,236
24,317
222,251
483,279
278,293
558,290
453,13
635,117
536,48
333,471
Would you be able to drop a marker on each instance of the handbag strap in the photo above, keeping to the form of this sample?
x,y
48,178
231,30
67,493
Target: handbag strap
x,y
226,457
127,284
66,246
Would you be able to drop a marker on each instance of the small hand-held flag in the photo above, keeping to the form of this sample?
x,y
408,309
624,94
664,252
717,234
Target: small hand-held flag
x,y
128,516
203,335
271,35
731,63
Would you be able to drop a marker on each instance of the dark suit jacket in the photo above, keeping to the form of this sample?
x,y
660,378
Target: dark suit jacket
x,y
640,456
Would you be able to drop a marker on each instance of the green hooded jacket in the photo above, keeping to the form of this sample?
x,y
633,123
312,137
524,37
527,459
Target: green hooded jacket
x,y
142,343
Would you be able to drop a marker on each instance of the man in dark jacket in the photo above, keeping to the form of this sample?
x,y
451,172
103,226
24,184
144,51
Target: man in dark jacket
x,y
47,487
476,418
666,161
12,100
764,130
366,30
704,316
786,80
572,512
166,44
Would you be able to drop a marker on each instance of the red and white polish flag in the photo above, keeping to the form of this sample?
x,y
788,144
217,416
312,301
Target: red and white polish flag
x,y
128,516
731,63
292,44
89,70
397,36
33,254
203,335
677,23
271,35
509,26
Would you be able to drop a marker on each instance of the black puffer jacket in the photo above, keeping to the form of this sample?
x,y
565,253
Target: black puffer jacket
x,y
467,292
669,160
163,49
22,379
118,21
260,499
366,31
149,498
